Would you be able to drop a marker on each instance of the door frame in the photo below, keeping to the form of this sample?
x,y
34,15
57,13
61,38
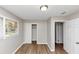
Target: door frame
x,y
37,31
57,27
54,29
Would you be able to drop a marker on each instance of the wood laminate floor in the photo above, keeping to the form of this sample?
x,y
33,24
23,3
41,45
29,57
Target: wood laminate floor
x,y
39,49
59,49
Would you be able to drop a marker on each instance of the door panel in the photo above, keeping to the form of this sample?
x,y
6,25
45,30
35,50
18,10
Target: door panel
x,y
75,38
71,36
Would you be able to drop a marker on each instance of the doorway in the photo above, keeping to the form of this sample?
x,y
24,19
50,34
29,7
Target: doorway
x,y
58,35
34,33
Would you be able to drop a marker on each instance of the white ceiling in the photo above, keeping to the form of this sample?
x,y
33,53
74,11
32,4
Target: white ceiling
x,y
33,12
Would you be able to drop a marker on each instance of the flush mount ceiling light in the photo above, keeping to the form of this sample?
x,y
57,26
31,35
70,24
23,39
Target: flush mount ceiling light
x,y
43,7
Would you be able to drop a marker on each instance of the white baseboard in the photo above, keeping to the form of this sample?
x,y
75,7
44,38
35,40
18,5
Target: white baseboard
x,y
51,48
17,48
67,51
27,42
41,43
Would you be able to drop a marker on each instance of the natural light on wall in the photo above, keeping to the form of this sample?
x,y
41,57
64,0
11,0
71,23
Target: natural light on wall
x,y
8,27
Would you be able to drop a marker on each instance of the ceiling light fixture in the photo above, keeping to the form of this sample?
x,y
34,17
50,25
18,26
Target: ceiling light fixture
x,y
43,7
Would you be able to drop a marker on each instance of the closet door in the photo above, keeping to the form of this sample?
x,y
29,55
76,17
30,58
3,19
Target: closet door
x,y
27,32
1,28
71,36
75,36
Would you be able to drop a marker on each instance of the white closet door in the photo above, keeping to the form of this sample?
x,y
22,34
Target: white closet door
x,y
27,32
75,36
1,28
71,36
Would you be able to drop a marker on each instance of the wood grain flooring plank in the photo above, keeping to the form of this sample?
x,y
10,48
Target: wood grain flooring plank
x,y
39,49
